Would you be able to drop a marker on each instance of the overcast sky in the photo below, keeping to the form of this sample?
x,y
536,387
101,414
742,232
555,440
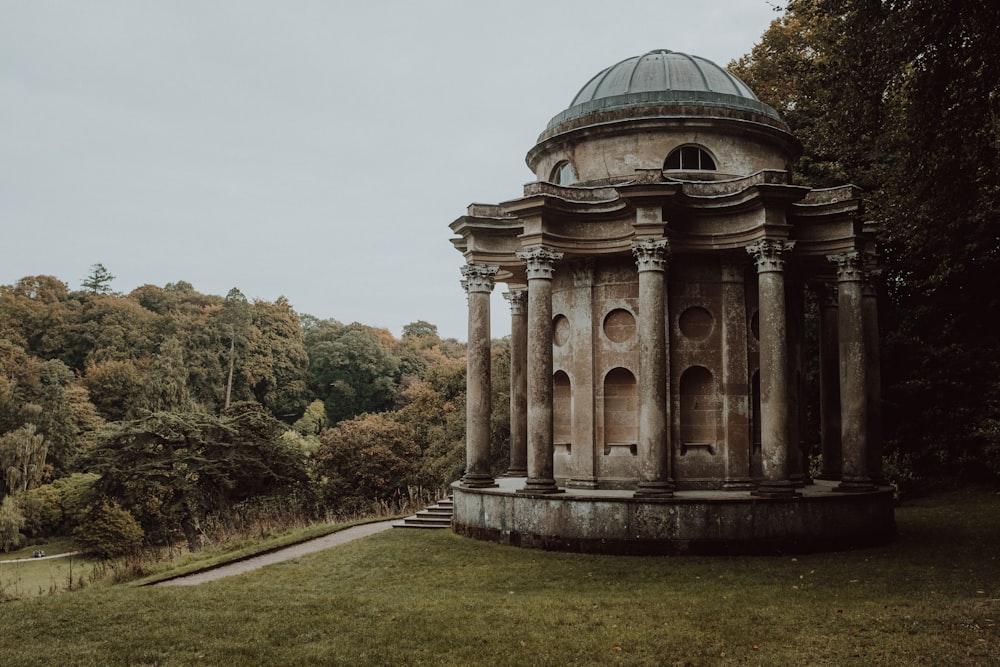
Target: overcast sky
x,y
316,150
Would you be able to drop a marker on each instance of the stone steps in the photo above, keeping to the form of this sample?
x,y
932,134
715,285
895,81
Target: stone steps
x,y
437,515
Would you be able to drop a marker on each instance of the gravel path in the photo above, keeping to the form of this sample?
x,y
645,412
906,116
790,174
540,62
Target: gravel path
x,y
294,551
38,558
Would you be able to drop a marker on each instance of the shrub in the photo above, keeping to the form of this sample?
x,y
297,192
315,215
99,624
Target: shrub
x,y
108,530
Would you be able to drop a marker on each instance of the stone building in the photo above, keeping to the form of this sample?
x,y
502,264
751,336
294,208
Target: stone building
x,y
657,272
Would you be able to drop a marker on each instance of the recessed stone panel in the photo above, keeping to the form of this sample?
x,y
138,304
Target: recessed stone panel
x,y
696,323
619,325
560,330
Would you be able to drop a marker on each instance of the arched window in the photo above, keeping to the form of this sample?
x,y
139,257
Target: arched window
x,y
563,174
690,158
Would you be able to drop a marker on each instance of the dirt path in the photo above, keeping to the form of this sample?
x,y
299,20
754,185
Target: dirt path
x,y
294,551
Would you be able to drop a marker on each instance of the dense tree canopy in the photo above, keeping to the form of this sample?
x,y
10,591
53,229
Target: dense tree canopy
x,y
902,97
132,390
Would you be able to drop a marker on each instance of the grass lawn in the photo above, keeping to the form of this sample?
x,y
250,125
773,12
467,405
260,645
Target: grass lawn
x,y
430,597
42,577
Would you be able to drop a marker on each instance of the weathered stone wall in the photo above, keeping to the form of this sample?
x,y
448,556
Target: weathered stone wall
x,y
726,522
595,365
610,154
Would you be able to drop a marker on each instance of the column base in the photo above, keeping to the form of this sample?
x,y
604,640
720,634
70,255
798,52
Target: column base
x,y
800,480
855,486
654,490
778,489
478,482
539,486
582,483
739,484
516,472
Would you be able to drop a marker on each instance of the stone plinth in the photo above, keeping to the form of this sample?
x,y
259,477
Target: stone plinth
x,y
691,522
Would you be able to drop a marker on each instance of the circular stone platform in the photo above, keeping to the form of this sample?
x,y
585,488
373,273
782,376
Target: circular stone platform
x,y
692,522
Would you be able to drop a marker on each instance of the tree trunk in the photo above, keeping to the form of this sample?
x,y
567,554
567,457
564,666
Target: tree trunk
x,y
229,380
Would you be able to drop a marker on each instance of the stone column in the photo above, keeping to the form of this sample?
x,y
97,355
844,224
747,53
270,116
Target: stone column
x,y
478,284
829,381
518,299
654,442
853,373
774,363
869,312
798,457
736,389
540,267
581,339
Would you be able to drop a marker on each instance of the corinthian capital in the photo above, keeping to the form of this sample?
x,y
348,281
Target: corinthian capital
x,y
478,277
518,300
850,266
541,261
651,254
769,254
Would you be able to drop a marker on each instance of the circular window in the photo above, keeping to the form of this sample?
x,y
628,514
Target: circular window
x,y
560,330
696,323
619,325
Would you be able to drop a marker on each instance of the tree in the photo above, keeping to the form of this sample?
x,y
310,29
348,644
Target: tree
x,y
46,394
76,492
108,327
33,312
313,420
420,329
366,460
165,383
107,530
42,510
60,406
276,364
351,370
98,281
434,410
235,320
115,387
11,523
22,453
901,98
172,470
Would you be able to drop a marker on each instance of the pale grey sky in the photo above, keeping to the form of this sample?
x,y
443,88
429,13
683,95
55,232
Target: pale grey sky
x,y
316,150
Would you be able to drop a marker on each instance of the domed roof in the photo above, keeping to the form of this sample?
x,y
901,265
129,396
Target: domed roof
x,y
663,77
